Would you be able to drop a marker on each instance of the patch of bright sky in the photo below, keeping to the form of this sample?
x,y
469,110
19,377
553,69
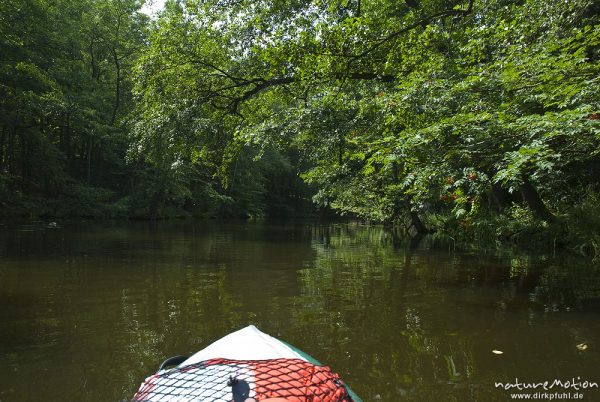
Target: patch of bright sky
x,y
151,7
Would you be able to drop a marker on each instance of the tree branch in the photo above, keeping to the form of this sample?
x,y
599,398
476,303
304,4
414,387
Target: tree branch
x,y
262,84
423,21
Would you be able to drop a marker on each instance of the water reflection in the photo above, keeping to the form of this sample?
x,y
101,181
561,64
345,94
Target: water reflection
x,y
91,310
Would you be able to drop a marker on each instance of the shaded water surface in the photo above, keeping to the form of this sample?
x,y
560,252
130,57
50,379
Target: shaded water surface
x,y
88,311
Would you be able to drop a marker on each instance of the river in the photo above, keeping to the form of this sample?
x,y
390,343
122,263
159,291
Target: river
x,y
89,310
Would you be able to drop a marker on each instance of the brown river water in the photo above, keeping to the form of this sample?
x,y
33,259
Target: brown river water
x,y
89,310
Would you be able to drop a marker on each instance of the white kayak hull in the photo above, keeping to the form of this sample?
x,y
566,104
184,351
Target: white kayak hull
x,y
246,344
246,364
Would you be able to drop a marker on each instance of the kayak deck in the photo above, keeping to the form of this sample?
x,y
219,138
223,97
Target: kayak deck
x,y
247,364
246,344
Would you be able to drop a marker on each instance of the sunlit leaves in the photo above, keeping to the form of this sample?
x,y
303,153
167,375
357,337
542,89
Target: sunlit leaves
x,y
385,102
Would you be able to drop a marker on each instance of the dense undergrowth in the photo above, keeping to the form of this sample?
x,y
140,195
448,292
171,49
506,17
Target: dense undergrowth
x,y
576,229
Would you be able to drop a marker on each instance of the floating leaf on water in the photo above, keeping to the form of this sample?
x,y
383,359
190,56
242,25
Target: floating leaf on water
x,y
582,346
497,352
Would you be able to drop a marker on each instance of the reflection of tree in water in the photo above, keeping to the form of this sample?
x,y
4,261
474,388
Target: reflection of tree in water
x,y
407,323
360,295
399,322
568,286
207,284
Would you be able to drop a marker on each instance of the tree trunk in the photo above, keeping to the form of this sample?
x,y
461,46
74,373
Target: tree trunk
x,y
65,140
93,65
24,144
416,222
156,204
2,141
89,161
10,154
11,157
535,203
500,197
117,87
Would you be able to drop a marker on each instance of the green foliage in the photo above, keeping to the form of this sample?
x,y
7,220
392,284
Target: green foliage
x,y
61,145
457,109
459,113
581,225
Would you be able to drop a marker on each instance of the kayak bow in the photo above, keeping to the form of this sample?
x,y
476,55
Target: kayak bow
x,y
246,365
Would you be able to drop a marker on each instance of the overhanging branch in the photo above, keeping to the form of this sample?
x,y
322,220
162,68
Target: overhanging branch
x,y
421,22
262,84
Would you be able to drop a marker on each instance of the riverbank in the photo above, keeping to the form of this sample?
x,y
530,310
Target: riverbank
x,y
577,232
576,229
